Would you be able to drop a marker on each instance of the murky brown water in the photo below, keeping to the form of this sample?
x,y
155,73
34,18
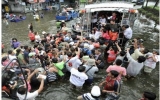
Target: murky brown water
x,y
130,90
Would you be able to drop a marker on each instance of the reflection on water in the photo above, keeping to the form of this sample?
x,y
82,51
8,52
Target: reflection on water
x,y
130,90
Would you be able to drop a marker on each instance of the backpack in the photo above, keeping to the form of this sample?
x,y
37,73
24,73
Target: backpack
x,y
85,51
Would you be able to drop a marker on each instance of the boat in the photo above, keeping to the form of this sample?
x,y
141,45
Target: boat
x,y
17,19
69,15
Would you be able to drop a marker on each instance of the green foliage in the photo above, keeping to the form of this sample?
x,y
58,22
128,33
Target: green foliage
x,y
150,13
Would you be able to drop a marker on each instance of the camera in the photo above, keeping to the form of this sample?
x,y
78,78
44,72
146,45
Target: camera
x,y
140,40
12,82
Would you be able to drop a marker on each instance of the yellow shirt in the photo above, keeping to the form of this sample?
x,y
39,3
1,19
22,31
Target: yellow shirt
x,y
136,54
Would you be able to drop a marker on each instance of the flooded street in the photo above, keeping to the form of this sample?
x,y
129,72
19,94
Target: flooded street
x,y
130,90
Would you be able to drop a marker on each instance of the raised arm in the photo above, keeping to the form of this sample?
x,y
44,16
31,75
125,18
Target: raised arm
x,y
119,49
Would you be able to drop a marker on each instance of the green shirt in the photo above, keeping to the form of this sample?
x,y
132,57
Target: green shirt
x,y
60,66
20,58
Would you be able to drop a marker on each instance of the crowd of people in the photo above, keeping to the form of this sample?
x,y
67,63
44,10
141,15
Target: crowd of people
x,y
54,57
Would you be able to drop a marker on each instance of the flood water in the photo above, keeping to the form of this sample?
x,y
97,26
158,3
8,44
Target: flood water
x,y
131,89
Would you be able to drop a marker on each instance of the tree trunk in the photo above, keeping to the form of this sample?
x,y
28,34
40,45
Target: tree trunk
x,y
143,3
156,4
147,3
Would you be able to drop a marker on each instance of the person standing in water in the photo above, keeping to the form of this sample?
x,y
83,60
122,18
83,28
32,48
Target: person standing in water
x,y
5,21
30,26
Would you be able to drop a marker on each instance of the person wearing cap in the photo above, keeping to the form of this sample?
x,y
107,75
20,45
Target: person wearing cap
x,y
93,95
151,60
148,96
90,70
32,58
112,85
78,77
86,50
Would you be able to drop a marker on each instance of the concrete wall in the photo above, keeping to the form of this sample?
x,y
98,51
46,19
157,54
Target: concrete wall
x,y
17,8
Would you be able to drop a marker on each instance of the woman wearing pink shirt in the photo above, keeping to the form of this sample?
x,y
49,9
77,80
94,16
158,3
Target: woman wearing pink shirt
x,y
117,67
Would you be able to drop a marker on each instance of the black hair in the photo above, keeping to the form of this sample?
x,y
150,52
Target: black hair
x,y
4,58
72,49
39,48
69,54
14,39
125,26
81,68
47,63
25,47
54,60
118,62
115,49
114,73
149,95
10,52
81,55
22,90
35,46
74,54
141,59
18,51
145,51
122,53
92,40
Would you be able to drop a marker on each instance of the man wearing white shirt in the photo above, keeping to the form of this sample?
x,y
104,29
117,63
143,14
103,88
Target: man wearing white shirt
x,y
78,77
127,32
73,62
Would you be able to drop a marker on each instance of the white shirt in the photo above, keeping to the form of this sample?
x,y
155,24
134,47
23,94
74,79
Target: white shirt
x,y
78,27
37,38
102,20
73,62
11,57
91,47
30,96
77,78
128,33
150,62
88,96
97,35
134,67
92,36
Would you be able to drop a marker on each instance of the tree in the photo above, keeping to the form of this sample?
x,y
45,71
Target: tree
x,y
147,3
156,4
